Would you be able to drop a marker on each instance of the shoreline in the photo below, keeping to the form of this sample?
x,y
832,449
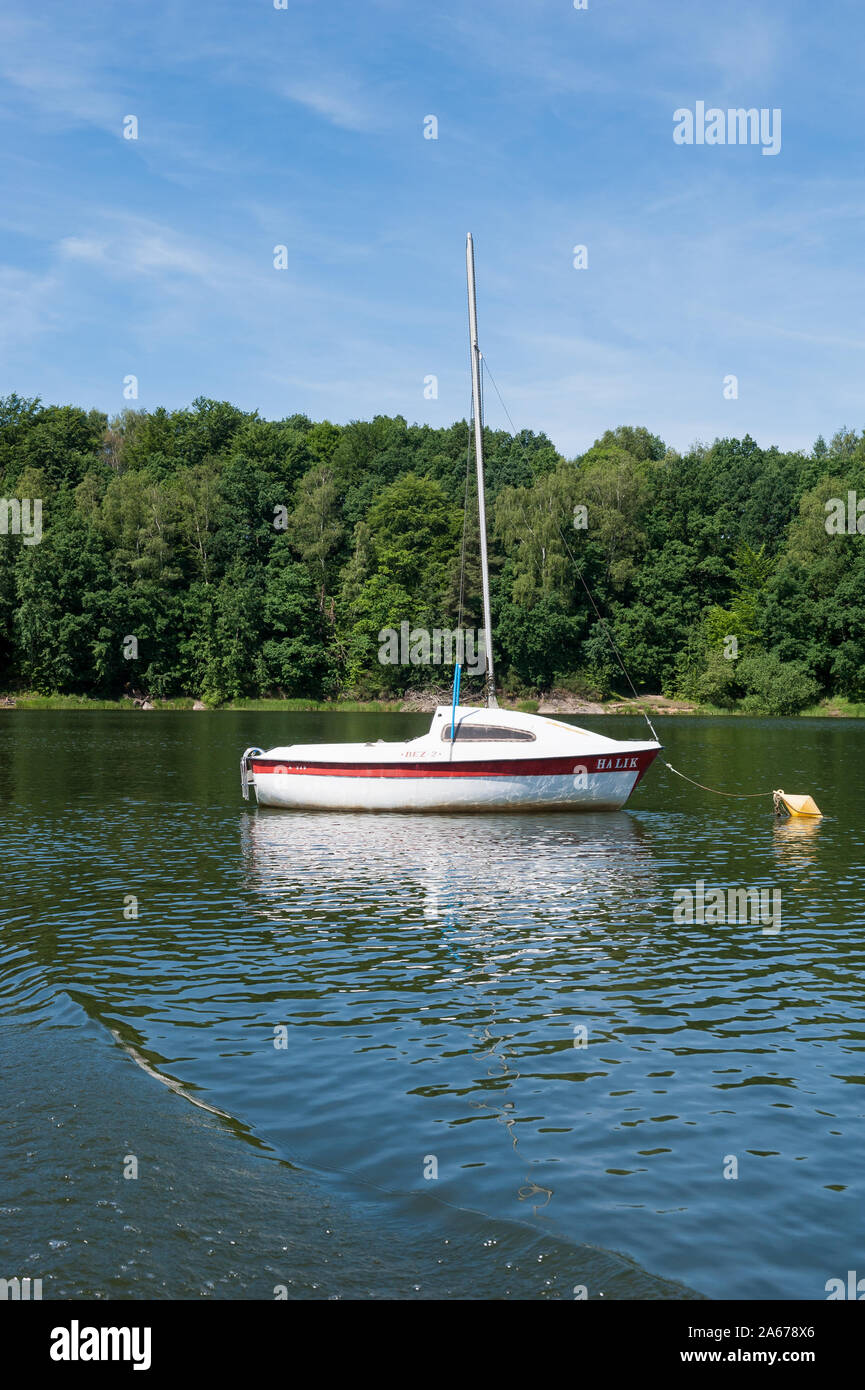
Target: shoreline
x,y
555,703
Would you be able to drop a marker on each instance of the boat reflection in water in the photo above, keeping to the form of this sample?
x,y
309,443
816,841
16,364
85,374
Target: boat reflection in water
x,y
481,923
435,973
455,871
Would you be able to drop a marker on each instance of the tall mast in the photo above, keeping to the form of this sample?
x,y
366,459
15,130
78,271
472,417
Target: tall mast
x,y
479,459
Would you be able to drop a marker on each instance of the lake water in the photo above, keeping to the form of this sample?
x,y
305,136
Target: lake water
x,y
502,1068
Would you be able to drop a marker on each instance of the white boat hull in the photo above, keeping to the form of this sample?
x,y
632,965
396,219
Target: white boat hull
x,y
500,761
596,792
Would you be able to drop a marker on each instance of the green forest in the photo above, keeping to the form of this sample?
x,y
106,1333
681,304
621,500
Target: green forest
x,y
251,558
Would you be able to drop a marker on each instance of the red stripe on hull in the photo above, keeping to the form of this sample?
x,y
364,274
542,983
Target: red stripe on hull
x,y
512,767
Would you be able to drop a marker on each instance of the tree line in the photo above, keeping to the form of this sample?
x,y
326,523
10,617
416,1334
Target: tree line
x,y
208,552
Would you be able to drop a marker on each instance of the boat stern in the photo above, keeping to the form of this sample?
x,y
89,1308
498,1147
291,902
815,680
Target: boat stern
x,y
247,776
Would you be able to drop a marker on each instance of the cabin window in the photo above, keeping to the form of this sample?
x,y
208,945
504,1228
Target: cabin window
x,y
489,733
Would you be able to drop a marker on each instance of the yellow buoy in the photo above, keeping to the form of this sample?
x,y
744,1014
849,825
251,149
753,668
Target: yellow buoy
x,y
796,805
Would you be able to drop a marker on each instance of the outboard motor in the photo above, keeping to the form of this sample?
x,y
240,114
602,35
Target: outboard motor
x,y
246,770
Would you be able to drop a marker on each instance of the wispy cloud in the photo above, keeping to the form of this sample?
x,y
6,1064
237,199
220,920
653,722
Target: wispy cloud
x,y
29,307
57,77
339,100
79,248
303,127
138,247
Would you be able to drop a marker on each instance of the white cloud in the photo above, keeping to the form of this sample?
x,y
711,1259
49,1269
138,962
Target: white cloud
x,y
28,308
135,246
337,100
79,248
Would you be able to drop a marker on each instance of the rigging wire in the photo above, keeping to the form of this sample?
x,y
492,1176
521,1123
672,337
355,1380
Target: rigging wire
x,y
598,614
465,519
738,796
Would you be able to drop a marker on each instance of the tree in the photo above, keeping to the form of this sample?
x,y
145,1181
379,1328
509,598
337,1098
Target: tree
x,y
296,659
316,528
247,555
532,526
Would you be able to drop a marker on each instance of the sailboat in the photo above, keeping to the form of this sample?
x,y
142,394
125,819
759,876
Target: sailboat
x,y
473,758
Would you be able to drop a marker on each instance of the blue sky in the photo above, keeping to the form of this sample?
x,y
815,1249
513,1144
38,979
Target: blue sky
x,y
303,126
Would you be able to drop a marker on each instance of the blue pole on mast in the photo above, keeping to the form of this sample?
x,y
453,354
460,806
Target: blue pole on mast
x,y
457,670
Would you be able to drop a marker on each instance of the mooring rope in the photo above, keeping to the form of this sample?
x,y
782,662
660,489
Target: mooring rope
x,y
741,796
598,614
737,796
